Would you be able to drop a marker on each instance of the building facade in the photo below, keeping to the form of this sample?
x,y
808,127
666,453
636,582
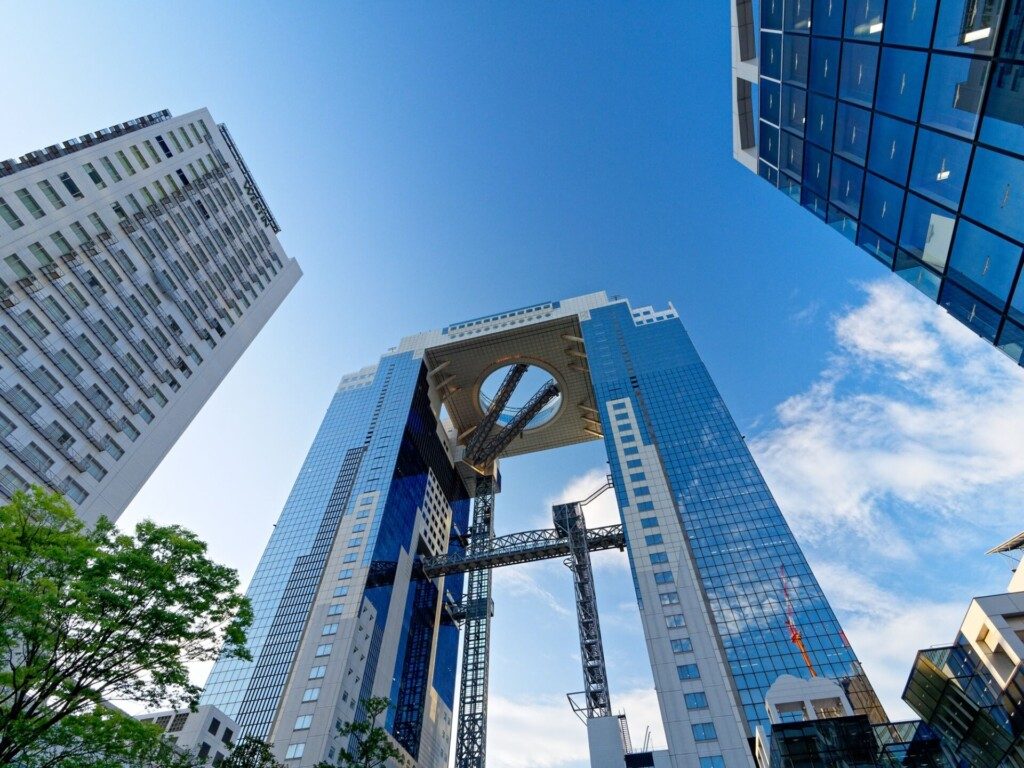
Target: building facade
x,y
342,613
900,125
138,263
206,733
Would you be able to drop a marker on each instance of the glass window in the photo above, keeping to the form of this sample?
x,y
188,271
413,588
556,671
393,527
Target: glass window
x,y
649,522
816,165
859,70
682,645
864,19
317,672
71,186
8,215
714,761
1011,341
970,311
891,144
828,17
825,66
821,115
847,182
771,101
30,203
1003,124
771,14
910,23
968,26
688,672
927,231
901,81
983,262
791,155
794,108
697,700
324,649
1017,305
768,148
771,55
294,751
853,126
663,577
795,50
953,95
302,722
675,621
883,206
876,245
669,598
995,194
51,194
940,167
311,694
657,558
329,629
703,731
798,16
92,173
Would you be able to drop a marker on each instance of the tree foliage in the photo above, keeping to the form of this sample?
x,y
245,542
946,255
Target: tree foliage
x,y
88,616
250,752
373,746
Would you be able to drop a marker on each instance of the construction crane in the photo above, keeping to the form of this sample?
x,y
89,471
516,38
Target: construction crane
x,y
795,637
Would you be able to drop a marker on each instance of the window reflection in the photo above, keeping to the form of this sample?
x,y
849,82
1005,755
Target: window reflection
x,y
900,82
953,96
969,26
864,19
1011,341
794,108
927,232
791,157
1003,124
771,55
816,165
876,245
820,119
909,22
828,17
983,262
891,142
995,194
847,180
970,311
883,205
770,101
794,62
940,167
768,146
915,273
798,16
859,69
853,126
771,14
825,66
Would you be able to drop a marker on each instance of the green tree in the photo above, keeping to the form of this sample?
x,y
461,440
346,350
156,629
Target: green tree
x,y
372,745
88,616
250,752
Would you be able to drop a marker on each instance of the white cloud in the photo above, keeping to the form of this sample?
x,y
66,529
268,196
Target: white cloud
x,y
519,583
543,732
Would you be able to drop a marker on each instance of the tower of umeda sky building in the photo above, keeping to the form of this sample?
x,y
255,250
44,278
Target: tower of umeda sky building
x,y
343,610
137,263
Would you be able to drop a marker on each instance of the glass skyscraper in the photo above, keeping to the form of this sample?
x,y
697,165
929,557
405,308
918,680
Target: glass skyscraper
x,y
343,612
901,125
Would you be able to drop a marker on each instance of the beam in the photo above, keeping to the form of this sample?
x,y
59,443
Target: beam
x,y
489,451
501,398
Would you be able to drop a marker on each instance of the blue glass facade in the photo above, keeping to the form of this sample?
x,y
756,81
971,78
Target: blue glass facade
x,y
739,542
901,124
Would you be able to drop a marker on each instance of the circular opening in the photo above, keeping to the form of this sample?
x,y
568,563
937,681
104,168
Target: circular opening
x,y
531,383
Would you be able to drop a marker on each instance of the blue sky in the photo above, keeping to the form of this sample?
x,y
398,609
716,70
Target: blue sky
x,y
434,163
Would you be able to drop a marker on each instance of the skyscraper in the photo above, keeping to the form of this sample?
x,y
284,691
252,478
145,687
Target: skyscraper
x,y
139,262
345,608
900,125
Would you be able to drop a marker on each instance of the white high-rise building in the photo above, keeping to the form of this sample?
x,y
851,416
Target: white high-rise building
x,y
137,263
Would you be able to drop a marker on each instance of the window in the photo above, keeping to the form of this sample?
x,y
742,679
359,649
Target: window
x,y
92,173
704,731
163,146
226,736
717,761
688,672
329,629
669,598
649,522
682,645
346,573
634,463
30,203
70,186
152,152
658,558
324,649
696,700
8,215
110,169
51,194
335,609
138,157
663,577
74,491
125,163
294,750
214,726
178,722
302,722
351,557
637,477
340,591
94,468
113,448
204,751
310,694
675,621
653,539
317,672
645,506
355,541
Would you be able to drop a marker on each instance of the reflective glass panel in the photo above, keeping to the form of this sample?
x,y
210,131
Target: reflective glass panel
x,y
940,167
768,146
853,126
825,66
842,222
820,119
919,276
876,245
828,17
794,108
847,180
798,16
771,14
816,164
771,55
891,144
1011,341
794,60
952,98
1003,124
909,22
969,310
901,81
968,26
995,194
883,205
984,263
1017,304
864,19
791,157
857,79
927,231
813,203
770,98
1013,33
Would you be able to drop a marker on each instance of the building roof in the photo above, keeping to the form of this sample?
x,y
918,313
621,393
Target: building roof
x,y
1011,544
